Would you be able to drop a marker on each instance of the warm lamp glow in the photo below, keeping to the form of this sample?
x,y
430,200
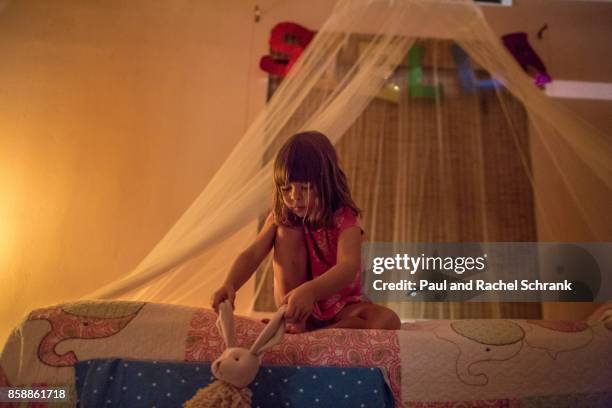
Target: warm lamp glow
x,y
8,198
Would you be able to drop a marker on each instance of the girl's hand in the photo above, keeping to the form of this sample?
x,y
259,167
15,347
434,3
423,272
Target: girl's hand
x,y
224,292
299,304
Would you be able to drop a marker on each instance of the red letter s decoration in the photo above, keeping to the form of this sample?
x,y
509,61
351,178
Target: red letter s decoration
x,y
287,42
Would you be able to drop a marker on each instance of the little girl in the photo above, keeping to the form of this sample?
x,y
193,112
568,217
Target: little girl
x,y
316,235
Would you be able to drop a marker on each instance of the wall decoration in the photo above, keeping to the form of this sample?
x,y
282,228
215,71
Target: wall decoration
x,y
467,77
287,42
520,48
416,88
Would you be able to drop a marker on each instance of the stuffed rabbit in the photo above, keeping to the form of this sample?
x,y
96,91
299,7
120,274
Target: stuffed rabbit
x,y
236,368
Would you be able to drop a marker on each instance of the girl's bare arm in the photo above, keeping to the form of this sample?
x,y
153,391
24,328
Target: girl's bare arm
x,y
247,262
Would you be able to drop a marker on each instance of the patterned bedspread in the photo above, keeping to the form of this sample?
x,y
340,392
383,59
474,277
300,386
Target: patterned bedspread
x,y
437,363
144,384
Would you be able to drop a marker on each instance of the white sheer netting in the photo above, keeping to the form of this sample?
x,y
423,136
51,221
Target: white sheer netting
x,y
500,164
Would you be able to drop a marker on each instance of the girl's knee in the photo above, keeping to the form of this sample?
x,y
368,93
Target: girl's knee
x,y
290,247
292,238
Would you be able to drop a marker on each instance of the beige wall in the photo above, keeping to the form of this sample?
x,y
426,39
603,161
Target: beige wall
x,y
112,120
114,115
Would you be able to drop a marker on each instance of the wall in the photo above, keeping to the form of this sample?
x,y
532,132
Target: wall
x,y
113,119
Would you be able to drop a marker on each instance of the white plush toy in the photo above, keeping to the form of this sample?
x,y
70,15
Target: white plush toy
x,y
236,368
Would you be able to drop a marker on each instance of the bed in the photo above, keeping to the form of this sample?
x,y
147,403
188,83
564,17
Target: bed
x,y
431,363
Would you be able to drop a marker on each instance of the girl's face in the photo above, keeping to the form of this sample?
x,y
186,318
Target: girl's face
x,y
299,198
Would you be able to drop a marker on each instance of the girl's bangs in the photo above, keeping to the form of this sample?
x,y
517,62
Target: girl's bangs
x,y
296,167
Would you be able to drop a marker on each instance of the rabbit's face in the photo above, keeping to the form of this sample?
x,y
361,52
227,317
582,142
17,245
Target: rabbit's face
x,y
236,366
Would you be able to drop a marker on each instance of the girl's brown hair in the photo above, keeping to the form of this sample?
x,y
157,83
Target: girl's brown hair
x,y
309,157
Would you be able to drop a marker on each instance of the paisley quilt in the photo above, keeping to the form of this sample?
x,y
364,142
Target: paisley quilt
x,y
434,363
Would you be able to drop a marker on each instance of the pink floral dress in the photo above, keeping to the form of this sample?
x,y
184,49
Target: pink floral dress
x,y
326,240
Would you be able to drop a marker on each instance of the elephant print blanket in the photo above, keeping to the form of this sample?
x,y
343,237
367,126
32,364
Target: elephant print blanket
x,y
430,363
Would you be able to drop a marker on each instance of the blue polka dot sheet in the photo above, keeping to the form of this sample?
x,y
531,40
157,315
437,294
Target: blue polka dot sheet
x,y
135,383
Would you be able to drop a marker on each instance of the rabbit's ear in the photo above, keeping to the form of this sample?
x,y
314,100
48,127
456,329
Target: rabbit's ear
x,y
272,334
225,323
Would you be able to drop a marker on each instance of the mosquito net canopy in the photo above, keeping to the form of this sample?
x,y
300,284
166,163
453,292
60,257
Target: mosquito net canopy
x,y
430,156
